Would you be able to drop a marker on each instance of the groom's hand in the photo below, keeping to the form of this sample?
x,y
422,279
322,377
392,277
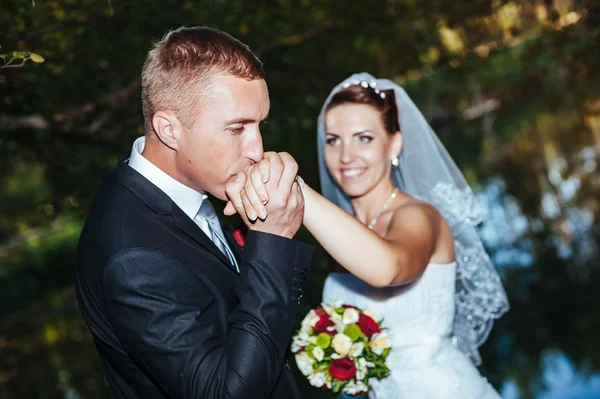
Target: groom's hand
x,y
253,192
280,197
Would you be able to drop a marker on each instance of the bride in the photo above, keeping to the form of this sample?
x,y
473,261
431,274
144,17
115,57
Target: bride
x,y
403,227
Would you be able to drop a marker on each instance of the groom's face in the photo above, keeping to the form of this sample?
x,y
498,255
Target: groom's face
x,y
225,138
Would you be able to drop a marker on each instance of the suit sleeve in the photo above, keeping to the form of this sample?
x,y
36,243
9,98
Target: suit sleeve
x,y
169,321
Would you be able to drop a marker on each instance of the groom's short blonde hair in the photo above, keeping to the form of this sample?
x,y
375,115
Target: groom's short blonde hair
x,y
177,70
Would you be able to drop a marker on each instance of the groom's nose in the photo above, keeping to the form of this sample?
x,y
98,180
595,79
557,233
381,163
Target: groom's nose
x,y
253,147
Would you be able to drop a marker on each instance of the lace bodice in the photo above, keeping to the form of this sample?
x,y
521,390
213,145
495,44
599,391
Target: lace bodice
x,y
424,361
415,313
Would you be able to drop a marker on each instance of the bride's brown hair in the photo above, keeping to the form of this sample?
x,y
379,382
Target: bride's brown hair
x,y
358,94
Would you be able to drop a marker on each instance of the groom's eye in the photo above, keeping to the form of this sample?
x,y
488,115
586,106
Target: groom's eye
x,y
236,129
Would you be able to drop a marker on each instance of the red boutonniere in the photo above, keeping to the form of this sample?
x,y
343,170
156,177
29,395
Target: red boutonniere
x,y
239,235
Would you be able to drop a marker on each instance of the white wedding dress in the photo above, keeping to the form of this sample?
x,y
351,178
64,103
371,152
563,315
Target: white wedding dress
x,y
423,361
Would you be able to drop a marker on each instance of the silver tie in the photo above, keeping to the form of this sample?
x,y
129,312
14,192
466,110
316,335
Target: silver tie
x,y
207,212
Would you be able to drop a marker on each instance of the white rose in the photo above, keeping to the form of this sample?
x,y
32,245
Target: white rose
x,y
361,386
305,363
350,316
329,308
296,346
356,350
317,379
341,343
379,342
300,341
372,314
353,388
335,356
363,363
310,320
336,318
360,374
318,353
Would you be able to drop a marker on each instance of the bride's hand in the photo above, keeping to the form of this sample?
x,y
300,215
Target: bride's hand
x,y
254,192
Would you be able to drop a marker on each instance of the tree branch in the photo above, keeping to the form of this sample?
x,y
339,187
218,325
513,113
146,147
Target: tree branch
x,y
301,37
37,121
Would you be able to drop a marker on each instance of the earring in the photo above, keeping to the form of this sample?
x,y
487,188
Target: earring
x,y
395,161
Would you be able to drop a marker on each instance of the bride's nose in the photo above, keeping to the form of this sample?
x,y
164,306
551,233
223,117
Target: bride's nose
x,y
348,153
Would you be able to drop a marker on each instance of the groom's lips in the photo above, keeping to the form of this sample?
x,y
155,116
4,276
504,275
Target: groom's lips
x,y
352,173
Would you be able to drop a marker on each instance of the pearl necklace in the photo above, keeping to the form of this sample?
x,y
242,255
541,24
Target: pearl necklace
x,y
374,220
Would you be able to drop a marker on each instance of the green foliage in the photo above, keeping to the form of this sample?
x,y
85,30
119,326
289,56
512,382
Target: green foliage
x,y
353,331
11,60
324,340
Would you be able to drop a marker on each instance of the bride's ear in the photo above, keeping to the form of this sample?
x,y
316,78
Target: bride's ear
x,y
396,145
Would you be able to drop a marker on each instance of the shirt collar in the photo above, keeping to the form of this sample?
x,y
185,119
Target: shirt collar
x,y
186,198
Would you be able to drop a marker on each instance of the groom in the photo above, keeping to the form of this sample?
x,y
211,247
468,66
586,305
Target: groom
x,y
176,310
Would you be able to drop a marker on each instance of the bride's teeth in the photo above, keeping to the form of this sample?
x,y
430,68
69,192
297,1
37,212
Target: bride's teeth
x,y
351,172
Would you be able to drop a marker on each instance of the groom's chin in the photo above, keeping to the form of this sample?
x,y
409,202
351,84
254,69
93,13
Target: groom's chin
x,y
219,194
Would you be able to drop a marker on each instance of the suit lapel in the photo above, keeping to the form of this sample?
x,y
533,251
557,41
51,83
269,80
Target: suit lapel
x,y
186,225
162,204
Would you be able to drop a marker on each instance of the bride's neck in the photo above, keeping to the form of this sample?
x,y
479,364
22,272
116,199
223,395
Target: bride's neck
x,y
367,206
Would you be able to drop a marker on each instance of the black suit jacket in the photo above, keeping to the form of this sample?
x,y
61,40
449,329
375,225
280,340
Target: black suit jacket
x,y
169,314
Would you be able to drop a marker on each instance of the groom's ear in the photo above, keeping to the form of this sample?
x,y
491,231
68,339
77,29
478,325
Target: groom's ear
x,y
396,147
168,128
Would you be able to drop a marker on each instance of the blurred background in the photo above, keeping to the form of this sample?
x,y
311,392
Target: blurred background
x,y
511,87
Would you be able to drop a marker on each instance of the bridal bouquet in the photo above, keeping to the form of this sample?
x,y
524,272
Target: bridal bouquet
x,y
340,348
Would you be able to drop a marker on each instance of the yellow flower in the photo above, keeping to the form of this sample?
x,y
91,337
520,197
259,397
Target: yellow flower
x,y
379,342
341,343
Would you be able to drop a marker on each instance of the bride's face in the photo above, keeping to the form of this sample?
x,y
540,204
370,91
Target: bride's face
x,y
358,150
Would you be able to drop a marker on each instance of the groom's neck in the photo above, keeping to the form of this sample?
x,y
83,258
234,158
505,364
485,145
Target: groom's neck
x,y
163,158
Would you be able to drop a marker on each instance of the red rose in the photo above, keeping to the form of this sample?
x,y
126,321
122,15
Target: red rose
x,y
367,325
350,307
342,369
323,323
239,236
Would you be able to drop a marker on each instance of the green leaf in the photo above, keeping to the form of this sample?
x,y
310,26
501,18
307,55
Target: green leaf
x,y
309,350
38,59
323,340
352,331
336,385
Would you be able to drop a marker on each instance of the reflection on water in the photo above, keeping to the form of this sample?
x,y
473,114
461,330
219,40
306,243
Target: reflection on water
x,y
561,380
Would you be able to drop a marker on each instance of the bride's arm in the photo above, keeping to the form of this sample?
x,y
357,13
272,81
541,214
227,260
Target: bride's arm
x,y
397,259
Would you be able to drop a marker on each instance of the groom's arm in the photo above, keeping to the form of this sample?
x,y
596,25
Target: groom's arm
x,y
169,320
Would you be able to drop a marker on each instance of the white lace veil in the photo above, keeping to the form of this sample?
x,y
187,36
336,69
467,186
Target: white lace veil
x,y
427,171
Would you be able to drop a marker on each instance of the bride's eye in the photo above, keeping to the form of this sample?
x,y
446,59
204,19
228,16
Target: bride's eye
x,y
332,141
365,139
